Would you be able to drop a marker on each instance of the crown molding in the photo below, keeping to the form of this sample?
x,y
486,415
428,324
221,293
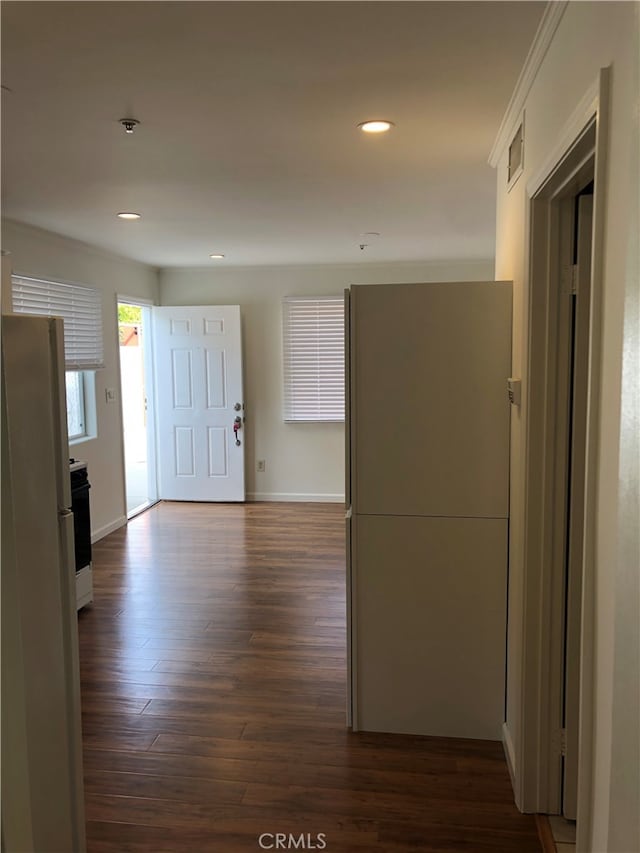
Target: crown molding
x,y
546,30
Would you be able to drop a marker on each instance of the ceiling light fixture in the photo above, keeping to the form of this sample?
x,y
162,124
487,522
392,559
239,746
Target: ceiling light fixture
x,y
217,256
377,125
129,215
129,124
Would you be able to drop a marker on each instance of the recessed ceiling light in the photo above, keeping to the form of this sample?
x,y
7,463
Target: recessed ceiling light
x,y
217,256
128,215
377,125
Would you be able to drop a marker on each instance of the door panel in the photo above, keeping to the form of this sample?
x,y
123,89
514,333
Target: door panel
x,y
215,379
430,633
429,367
185,462
182,378
198,364
218,452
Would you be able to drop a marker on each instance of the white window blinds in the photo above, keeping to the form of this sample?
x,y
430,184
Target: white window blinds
x,y
313,332
80,308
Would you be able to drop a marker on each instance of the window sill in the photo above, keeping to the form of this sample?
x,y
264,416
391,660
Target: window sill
x,y
81,439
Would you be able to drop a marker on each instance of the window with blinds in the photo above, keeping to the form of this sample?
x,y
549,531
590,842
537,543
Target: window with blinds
x,y
80,308
313,347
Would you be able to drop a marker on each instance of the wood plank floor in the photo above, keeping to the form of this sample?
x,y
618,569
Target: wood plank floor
x,y
213,690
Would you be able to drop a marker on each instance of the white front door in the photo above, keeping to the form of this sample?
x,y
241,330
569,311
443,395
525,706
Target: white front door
x,y
198,372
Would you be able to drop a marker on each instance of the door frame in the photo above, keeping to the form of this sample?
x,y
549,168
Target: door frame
x,y
152,463
538,771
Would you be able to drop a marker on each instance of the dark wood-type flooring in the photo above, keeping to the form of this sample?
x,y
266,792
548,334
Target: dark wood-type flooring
x,y
213,692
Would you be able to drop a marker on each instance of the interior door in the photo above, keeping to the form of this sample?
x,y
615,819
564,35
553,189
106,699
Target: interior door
x,y
575,503
199,398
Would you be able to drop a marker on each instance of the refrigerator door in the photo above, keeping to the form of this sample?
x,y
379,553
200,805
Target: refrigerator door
x,y
59,415
35,484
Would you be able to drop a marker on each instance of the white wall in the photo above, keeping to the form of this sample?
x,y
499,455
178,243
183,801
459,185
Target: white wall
x,y
591,36
303,461
39,253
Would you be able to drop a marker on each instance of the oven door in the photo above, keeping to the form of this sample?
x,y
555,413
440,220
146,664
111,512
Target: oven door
x,y
81,517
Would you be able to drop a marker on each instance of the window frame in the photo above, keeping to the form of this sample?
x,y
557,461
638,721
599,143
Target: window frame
x,y
80,307
81,401
308,398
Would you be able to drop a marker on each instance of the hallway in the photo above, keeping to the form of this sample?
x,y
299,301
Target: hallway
x,y
213,693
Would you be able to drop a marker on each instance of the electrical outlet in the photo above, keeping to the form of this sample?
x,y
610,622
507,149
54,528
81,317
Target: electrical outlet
x,y
261,466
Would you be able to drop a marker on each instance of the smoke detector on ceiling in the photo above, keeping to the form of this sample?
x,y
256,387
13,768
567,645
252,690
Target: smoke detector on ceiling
x,y
368,238
129,124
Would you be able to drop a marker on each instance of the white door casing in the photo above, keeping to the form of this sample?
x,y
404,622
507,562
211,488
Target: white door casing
x,y
198,377
575,530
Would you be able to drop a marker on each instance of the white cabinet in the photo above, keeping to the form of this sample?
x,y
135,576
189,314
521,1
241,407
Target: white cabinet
x,y
428,447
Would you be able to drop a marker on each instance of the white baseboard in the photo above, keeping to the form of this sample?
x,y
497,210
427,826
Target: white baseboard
x,y
295,496
101,532
510,754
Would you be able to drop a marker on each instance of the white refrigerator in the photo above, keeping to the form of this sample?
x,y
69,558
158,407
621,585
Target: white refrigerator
x,y
428,424
42,784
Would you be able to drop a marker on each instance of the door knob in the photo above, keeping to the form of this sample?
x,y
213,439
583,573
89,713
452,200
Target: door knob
x,y
237,426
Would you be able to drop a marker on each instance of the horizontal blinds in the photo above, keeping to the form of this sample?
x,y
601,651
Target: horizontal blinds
x,y
80,308
313,358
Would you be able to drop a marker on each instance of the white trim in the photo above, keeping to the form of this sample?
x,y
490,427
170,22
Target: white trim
x,y
148,353
534,777
302,497
103,531
224,267
539,765
586,774
509,753
134,300
577,124
141,508
546,30
152,437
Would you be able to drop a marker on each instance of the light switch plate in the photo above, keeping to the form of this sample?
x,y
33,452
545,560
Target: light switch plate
x,y
110,394
514,390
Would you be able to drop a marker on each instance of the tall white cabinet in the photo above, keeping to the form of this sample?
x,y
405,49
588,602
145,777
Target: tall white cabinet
x,y
428,490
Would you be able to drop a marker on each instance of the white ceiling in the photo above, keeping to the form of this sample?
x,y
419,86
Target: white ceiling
x,y
248,142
